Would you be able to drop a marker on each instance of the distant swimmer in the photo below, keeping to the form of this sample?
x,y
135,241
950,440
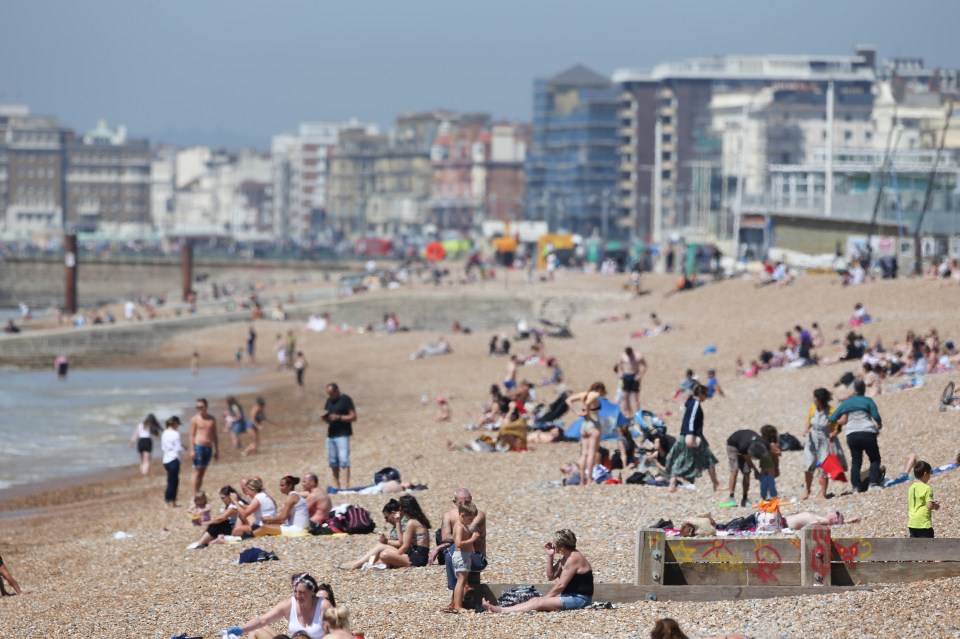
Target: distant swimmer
x,y
61,365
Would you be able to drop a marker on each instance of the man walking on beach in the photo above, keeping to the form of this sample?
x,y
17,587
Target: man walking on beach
x,y
203,442
339,415
863,423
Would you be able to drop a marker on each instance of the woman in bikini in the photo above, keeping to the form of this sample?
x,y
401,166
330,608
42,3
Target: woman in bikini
x,y
589,409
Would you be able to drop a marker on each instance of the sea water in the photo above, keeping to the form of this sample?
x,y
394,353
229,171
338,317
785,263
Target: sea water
x,y
51,428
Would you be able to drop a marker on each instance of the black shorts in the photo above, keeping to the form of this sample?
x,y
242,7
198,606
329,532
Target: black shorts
x,y
630,384
418,556
220,528
299,377
144,445
923,533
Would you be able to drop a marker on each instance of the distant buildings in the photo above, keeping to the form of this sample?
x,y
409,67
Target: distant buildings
x,y
572,166
300,189
669,109
207,193
32,166
437,170
107,182
51,180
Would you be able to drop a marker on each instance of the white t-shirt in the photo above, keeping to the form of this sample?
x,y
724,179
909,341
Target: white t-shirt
x,y
171,444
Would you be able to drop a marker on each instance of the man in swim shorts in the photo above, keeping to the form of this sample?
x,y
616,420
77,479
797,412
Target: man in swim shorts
x,y
203,442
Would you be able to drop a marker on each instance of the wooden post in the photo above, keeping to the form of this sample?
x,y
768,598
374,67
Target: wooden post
x,y
70,273
651,551
186,268
815,546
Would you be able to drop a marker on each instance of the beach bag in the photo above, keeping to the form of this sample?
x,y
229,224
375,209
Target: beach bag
x,y
638,477
256,555
386,474
600,474
789,442
355,521
769,519
517,595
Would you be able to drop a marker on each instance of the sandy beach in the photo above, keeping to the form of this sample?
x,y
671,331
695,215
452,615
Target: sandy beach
x,y
85,583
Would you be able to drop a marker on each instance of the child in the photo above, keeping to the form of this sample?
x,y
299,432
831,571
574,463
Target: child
x,y
464,550
713,384
200,510
445,413
920,502
769,465
686,386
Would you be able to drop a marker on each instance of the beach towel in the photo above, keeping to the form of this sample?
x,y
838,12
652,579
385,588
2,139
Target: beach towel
x,y
610,419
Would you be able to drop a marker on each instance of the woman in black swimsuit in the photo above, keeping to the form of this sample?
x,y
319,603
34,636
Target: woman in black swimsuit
x,y
573,589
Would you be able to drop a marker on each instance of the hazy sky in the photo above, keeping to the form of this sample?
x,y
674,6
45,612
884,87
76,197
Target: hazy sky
x,y
233,71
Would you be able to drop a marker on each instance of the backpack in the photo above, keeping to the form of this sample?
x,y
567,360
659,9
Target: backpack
x,y
517,595
638,477
355,521
386,474
789,442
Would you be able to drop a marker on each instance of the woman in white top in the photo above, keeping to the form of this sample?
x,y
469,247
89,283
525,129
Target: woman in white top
x,y
303,611
250,517
172,447
143,436
293,518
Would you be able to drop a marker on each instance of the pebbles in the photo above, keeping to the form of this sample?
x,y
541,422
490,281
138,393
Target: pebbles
x,y
88,584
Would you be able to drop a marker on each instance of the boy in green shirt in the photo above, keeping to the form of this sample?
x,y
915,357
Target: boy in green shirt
x,y
921,502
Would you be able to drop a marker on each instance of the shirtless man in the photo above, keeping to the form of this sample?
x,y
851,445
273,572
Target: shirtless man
x,y
446,547
318,501
631,368
203,442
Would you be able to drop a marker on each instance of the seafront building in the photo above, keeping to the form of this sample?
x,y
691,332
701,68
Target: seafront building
x,y
108,183
300,189
572,165
32,188
51,180
437,171
670,153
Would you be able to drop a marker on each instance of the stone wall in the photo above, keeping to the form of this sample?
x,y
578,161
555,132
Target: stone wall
x,y
39,280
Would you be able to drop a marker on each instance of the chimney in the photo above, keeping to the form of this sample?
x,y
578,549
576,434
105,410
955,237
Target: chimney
x,y
868,55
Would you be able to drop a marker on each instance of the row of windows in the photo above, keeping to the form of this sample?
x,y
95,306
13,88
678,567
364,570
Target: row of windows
x,y
32,173
38,158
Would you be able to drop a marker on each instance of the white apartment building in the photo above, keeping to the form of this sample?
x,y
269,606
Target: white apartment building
x,y
200,192
784,126
299,177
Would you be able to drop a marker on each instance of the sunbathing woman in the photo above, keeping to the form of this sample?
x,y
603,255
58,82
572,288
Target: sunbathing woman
x,y
398,523
573,589
589,409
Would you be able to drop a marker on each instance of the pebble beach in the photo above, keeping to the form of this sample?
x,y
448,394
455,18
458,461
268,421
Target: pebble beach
x,y
86,583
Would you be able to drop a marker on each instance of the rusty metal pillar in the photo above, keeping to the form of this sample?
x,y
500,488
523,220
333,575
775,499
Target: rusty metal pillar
x,y
186,269
70,272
